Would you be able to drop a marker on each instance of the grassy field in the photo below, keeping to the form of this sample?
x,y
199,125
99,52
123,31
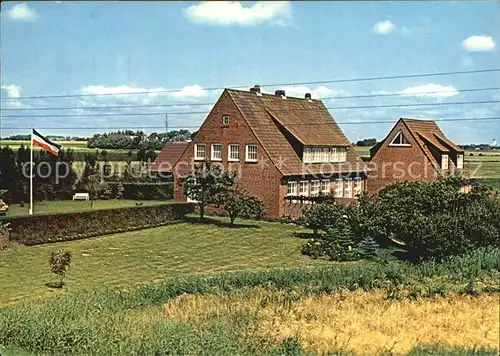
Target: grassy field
x,y
367,308
68,206
75,145
129,259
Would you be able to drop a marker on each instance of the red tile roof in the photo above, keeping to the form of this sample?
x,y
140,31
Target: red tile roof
x,y
308,120
168,156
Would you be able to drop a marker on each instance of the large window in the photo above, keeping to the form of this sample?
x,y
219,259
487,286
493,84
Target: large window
x,y
251,154
444,162
291,188
325,186
217,152
338,188
200,151
460,161
315,188
348,188
234,152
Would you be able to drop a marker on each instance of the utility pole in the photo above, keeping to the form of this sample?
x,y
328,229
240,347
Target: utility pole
x,y
166,123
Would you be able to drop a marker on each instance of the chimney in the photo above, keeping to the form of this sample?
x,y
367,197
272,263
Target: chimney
x,y
255,89
308,96
281,93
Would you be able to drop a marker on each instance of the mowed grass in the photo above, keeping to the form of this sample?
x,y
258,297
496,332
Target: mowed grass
x,y
130,259
69,206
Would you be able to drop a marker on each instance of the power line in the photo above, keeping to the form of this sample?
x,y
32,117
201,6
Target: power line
x,y
206,104
265,85
197,126
206,112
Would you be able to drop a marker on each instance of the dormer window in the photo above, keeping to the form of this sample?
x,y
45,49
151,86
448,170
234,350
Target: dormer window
x,y
324,154
460,161
444,162
400,140
225,120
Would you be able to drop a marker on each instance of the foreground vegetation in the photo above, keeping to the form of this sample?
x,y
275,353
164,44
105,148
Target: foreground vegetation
x,y
364,308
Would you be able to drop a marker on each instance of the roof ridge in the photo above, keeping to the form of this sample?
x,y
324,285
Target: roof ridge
x,y
272,95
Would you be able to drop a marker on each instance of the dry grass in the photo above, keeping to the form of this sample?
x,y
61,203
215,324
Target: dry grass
x,y
363,322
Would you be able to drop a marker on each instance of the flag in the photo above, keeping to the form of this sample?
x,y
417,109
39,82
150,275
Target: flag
x,y
44,143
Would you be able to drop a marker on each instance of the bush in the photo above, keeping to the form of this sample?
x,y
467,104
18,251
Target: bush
x,y
39,229
368,248
322,216
60,261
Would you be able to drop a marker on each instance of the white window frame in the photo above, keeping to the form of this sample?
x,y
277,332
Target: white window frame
x,y
225,120
247,159
212,151
229,156
339,188
325,155
325,186
307,157
400,133
334,155
315,188
291,188
358,184
342,155
199,158
460,161
304,183
348,188
444,161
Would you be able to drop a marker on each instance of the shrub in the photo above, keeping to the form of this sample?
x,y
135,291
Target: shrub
x,y
60,261
323,216
140,191
39,229
368,248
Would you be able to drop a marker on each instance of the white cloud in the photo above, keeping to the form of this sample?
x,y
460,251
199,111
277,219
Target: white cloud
x,y
431,90
190,91
12,90
234,13
384,27
478,43
22,12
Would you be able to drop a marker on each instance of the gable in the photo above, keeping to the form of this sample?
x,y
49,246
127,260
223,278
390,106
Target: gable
x,y
400,140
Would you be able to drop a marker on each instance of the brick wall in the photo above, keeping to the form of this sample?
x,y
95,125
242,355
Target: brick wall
x,y
393,164
260,178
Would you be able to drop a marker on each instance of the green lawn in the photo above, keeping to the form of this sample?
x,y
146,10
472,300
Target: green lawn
x,y
133,258
69,206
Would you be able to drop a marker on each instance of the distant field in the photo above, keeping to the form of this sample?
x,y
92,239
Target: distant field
x,y
76,145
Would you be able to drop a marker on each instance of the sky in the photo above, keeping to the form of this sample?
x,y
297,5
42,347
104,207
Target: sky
x,y
63,48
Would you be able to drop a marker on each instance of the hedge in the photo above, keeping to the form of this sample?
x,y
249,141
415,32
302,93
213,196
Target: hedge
x,y
144,191
34,230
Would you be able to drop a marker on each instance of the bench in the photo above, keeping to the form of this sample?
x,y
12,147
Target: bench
x,y
80,196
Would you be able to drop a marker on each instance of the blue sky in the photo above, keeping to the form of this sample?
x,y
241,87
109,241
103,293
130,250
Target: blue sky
x,y
111,47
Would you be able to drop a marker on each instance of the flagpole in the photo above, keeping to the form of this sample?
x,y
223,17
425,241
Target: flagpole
x,y
31,175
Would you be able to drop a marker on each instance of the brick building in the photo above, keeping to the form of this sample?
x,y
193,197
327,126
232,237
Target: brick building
x,y
279,146
413,150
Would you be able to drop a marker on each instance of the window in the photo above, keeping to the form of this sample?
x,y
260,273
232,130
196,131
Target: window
x,y
444,162
399,140
460,161
307,155
199,151
316,155
357,186
325,186
334,156
216,152
342,155
234,152
303,189
315,188
291,188
325,155
251,154
225,120
338,188
348,188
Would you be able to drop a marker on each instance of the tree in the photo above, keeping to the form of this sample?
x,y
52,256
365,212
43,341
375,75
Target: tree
x,y
237,202
367,142
60,261
207,184
94,186
368,247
